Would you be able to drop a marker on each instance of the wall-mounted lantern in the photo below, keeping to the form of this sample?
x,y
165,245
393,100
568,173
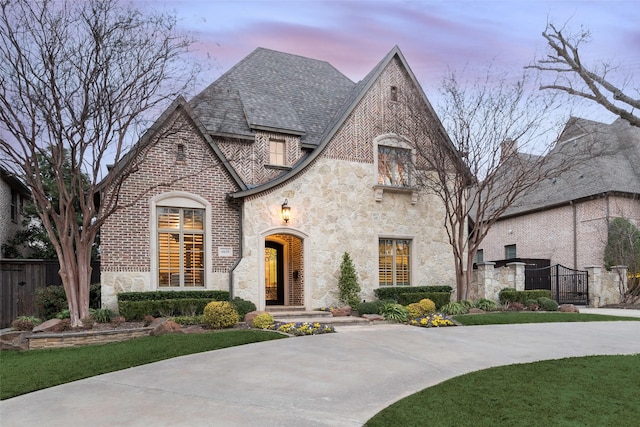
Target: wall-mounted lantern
x,y
286,211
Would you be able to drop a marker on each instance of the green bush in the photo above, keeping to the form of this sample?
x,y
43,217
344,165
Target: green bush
x,y
486,304
393,292
102,315
242,306
51,300
348,286
220,314
395,312
439,298
454,308
263,321
547,304
370,307
508,295
137,310
63,314
187,320
162,295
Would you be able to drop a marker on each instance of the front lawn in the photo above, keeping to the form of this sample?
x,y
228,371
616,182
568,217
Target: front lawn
x,y
27,371
512,317
585,391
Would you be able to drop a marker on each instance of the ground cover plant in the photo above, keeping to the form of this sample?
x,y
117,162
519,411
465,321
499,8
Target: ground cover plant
x,y
584,391
513,317
24,372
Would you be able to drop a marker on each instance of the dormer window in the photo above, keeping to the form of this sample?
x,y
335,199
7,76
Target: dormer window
x,y
394,93
277,150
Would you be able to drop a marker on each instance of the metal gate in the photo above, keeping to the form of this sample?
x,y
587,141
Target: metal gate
x,y
567,286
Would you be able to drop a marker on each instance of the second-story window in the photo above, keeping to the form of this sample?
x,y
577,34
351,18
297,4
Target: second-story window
x,y
394,166
277,149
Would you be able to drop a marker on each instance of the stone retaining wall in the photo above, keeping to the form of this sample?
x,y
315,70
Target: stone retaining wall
x,y
75,339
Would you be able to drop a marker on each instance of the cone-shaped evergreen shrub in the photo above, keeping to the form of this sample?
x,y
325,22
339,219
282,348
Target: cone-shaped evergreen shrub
x,y
348,283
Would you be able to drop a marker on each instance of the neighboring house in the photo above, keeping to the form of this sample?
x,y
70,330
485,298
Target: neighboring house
x,y
565,219
261,183
13,195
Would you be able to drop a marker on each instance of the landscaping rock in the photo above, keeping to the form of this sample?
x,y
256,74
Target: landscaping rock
x,y
568,308
248,318
49,325
164,326
341,312
372,317
476,311
14,340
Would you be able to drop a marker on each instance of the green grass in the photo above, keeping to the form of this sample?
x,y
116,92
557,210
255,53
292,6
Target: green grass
x,y
24,372
586,391
512,317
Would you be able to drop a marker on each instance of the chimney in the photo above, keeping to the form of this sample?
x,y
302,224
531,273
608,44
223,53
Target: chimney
x,y
508,148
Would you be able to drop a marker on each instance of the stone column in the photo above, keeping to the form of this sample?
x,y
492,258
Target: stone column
x,y
595,284
516,275
485,281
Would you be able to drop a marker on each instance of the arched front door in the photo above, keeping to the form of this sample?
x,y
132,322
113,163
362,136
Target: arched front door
x,y
274,273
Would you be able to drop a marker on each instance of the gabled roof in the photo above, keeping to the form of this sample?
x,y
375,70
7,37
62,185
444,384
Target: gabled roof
x,y
14,182
612,154
273,91
348,105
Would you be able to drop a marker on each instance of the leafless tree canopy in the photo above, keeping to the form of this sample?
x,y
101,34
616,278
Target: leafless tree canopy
x,y
79,77
495,151
576,78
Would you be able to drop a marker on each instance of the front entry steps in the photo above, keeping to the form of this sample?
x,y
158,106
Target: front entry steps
x,y
287,313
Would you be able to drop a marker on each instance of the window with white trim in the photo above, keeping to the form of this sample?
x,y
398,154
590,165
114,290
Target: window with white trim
x,y
394,166
394,262
181,248
277,150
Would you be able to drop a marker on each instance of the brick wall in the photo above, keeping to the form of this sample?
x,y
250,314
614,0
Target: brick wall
x,y
125,237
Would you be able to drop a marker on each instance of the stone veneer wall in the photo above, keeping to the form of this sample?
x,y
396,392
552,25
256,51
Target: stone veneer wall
x,y
75,339
125,237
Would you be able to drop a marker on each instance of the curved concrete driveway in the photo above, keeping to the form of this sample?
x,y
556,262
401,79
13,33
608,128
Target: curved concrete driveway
x,y
338,379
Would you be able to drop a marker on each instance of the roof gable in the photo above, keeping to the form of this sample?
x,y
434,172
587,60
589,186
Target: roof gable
x,y
270,90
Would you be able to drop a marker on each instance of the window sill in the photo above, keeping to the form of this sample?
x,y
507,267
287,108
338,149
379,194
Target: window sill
x,y
380,189
278,167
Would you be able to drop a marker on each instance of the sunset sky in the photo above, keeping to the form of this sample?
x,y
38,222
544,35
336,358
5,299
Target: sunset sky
x,y
353,35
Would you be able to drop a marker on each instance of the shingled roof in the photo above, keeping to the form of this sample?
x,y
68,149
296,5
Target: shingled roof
x,y
612,165
273,91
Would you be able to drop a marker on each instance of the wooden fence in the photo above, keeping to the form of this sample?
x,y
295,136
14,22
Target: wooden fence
x,y
19,280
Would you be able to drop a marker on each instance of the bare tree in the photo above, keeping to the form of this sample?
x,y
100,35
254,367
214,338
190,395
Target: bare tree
x,y
76,80
474,162
575,78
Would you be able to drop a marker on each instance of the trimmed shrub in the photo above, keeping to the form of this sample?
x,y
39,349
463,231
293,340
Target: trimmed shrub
x,y
393,292
263,321
508,295
415,310
454,308
242,306
371,307
137,310
395,312
220,314
187,320
547,304
427,306
486,304
162,295
348,282
439,298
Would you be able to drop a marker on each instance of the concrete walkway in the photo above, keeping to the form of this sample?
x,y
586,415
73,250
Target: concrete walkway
x,y
339,379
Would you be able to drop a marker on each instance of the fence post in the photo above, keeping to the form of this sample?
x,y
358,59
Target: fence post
x,y
595,284
516,275
486,281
